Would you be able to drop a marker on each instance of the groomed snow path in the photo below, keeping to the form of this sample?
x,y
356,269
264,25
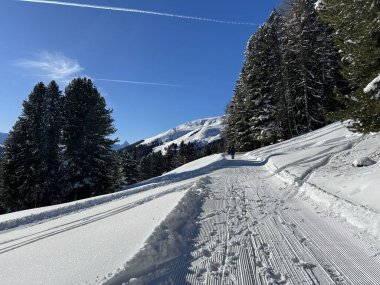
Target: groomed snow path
x,y
254,231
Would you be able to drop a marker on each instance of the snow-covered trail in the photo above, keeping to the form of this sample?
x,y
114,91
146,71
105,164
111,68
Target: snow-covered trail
x,y
86,246
253,231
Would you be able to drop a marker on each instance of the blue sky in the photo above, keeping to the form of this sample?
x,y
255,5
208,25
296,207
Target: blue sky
x,y
192,63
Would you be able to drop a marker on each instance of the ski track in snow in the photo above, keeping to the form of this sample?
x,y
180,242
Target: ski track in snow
x,y
253,235
252,231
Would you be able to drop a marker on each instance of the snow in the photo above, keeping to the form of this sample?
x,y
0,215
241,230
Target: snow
x,y
320,163
319,4
200,164
372,85
297,212
107,235
202,131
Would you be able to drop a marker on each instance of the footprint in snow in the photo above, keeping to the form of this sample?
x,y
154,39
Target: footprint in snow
x,y
201,275
214,266
206,252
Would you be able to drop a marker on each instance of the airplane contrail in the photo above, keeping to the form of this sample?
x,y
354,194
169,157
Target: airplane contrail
x,y
137,82
128,10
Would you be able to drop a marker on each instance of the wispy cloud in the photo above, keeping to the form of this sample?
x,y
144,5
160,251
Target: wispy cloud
x,y
51,65
146,12
137,82
56,66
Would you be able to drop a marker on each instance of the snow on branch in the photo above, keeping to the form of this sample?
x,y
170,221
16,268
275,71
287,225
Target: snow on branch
x,y
372,86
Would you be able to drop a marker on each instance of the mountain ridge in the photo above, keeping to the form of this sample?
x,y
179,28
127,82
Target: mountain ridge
x,y
202,131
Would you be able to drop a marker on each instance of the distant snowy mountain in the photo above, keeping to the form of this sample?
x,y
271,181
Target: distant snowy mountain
x,y
120,146
202,131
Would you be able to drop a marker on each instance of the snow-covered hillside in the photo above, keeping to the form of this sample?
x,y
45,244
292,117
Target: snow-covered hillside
x,y
298,212
202,131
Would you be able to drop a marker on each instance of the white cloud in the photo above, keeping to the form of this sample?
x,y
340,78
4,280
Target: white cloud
x,y
52,65
56,66
146,12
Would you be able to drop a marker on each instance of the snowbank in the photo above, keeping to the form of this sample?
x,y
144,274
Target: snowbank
x,y
20,218
320,164
172,239
199,164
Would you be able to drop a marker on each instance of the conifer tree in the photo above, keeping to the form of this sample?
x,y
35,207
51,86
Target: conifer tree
x,y
23,157
87,155
264,126
129,169
171,161
310,58
157,164
357,35
49,145
145,168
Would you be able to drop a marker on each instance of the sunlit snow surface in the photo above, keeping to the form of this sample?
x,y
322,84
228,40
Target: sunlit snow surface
x,y
298,212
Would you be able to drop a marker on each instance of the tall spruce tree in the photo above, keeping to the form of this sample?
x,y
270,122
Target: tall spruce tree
x,y
357,35
264,101
49,145
310,57
87,156
31,152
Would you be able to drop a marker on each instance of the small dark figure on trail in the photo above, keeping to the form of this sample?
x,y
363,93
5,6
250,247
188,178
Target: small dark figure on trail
x,y
232,151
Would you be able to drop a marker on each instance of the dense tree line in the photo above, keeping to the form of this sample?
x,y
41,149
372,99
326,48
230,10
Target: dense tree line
x,y
59,149
294,79
139,162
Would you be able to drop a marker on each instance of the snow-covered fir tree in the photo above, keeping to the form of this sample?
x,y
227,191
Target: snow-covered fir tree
x,y
286,85
311,60
87,156
357,35
31,157
49,144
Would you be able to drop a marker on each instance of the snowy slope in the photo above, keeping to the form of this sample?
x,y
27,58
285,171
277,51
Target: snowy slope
x,y
202,131
321,164
297,212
